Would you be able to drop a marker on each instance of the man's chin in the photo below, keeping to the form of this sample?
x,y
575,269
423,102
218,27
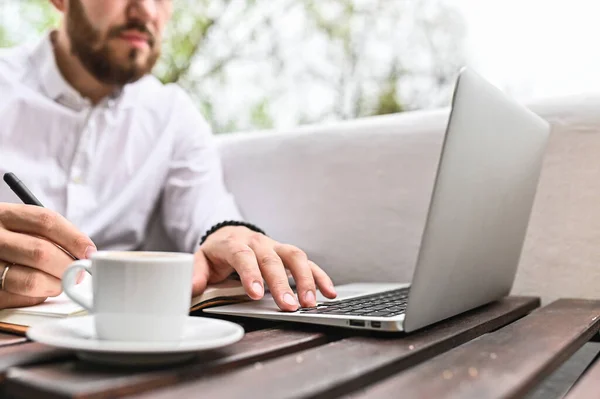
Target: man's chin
x,y
134,69
122,51
119,65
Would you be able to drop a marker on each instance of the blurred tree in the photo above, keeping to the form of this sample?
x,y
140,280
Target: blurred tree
x,y
257,64
23,19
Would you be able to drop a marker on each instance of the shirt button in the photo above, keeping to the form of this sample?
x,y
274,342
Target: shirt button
x,y
77,180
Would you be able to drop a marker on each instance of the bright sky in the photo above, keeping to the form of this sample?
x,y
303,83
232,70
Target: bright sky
x,y
535,48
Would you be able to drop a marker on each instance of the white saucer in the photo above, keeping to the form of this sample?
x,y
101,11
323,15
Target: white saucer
x,y
79,334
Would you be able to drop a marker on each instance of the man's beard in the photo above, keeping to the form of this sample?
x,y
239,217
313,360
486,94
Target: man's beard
x,y
97,57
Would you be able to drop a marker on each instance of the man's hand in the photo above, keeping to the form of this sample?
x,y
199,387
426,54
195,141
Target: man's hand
x,y
255,256
28,235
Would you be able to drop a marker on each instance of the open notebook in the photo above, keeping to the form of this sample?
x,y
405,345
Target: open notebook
x,y
17,320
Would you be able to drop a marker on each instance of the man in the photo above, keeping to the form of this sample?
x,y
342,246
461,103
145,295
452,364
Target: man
x,y
100,142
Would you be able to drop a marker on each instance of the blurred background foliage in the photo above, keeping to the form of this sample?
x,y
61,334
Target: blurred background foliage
x,y
262,64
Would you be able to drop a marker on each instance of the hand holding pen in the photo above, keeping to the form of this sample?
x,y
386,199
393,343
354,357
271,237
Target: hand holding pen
x,y
36,246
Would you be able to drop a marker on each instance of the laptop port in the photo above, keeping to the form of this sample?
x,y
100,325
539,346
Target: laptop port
x,y
376,324
357,323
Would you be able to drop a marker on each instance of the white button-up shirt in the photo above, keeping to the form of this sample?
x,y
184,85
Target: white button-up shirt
x,y
106,167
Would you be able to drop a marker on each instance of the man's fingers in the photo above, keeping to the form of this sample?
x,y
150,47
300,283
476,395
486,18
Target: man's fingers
x,y
201,273
243,260
35,220
34,252
297,262
274,273
8,300
323,281
25,281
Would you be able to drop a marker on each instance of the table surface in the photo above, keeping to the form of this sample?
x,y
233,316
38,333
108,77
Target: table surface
x,y
502,350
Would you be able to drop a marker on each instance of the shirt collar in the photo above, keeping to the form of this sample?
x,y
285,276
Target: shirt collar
x,y
58,89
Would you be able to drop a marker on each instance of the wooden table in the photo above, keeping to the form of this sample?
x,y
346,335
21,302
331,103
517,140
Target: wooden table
x,y
502,350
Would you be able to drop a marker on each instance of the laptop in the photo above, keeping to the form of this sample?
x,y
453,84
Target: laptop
x,y
476,223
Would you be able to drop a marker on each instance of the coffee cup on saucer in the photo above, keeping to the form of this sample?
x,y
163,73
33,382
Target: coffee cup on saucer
x,y
137,296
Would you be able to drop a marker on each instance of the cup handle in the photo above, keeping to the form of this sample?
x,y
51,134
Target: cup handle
x,y
69,280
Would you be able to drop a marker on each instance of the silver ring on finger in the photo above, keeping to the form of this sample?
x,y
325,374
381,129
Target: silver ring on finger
x,y
4,273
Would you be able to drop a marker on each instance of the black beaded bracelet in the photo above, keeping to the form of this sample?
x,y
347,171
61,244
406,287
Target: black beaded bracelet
x,y
230,223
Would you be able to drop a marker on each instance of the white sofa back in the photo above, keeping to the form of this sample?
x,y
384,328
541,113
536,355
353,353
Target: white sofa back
x,y
354,195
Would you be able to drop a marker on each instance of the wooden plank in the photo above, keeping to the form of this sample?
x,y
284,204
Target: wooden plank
x,y
82,380
26,354
10,339
505,364
557,384
588,385
346,365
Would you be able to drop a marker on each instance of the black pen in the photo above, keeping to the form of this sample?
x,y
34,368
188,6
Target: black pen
x,y
27,197
21,190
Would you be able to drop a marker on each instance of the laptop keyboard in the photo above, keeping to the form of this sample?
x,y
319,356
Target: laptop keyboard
x,y
383,304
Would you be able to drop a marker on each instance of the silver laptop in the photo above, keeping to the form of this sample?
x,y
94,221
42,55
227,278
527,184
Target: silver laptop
x,y
476,224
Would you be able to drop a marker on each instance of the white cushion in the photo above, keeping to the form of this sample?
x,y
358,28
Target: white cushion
x,y
353,195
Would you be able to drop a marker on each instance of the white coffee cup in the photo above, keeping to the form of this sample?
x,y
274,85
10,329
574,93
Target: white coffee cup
x,y
137,296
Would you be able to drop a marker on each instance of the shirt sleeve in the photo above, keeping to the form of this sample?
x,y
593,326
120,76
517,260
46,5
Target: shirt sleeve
x,y
195,197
